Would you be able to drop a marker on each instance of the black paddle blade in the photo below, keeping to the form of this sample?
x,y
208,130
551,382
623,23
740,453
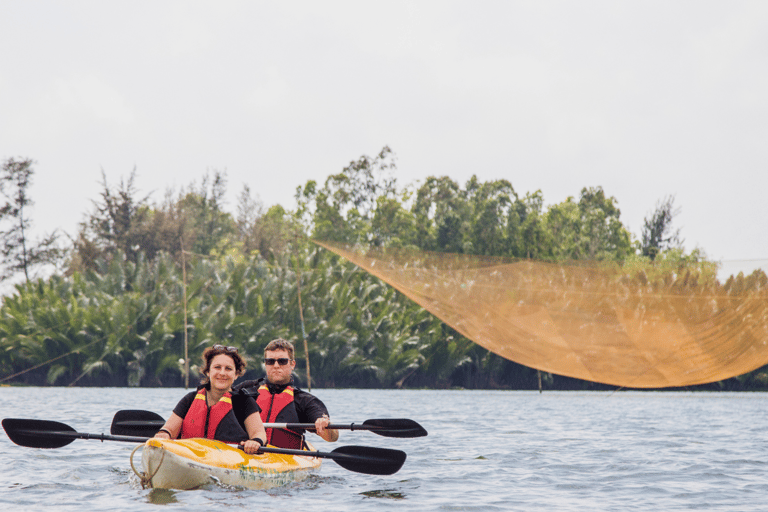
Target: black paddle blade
x,y
37,433
368,460
136,423
397,427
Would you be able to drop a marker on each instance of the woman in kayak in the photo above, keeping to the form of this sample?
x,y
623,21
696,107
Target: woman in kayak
x,y
214,411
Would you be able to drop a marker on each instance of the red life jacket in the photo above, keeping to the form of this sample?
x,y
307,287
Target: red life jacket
x,y
218,422
280,408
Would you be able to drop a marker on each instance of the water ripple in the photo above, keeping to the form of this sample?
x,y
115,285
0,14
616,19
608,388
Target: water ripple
x,y
487,450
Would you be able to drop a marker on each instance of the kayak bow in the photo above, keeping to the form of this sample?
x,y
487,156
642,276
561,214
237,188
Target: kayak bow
x,y
192,463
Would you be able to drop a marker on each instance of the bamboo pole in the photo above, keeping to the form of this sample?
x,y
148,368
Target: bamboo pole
x,y
303,332
186,341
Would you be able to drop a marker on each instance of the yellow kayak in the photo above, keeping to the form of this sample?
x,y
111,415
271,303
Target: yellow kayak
x,y
191,463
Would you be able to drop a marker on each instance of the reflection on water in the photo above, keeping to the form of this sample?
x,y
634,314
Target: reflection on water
x,y
384,493
162,496
486,450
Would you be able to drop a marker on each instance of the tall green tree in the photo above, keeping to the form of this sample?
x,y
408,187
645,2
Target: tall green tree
x,y
117,224
342,210
442,215
125,222
269,233
393,224
213,228
18,251
563,222
658,234
533,239
491,204
602,235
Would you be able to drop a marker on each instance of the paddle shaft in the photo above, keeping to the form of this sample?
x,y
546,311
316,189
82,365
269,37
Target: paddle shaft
x,y
52,434
308,453
139,422
311,426
306,426
150,424
84,435
129,439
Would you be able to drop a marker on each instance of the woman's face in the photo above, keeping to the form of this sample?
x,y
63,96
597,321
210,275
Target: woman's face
x,y
222,373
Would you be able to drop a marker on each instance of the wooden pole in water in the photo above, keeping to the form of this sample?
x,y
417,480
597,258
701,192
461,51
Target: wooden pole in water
x,y
538,373
186,341
303,332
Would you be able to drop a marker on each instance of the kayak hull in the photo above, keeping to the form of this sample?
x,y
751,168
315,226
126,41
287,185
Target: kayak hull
x,y
192,463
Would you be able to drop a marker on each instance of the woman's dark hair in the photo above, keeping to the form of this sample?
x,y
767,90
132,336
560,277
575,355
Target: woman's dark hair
x,y
211,352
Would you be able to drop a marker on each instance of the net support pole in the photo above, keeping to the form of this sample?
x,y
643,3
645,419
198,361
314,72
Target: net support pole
x,y
186,341
303,331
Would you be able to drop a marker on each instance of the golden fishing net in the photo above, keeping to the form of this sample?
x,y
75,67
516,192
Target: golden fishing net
x,y
599,322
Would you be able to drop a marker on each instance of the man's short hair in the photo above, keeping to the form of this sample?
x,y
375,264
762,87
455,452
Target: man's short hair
x,y
280,344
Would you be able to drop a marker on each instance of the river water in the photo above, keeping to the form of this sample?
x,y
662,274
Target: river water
x,y
486,450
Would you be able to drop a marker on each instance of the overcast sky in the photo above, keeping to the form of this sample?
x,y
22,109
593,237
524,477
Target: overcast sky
x,y
646,99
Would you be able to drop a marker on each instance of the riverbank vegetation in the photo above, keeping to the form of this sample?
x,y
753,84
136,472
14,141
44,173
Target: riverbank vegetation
x,y
142,276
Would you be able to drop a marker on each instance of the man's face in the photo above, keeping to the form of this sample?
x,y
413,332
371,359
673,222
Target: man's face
x,y
279,373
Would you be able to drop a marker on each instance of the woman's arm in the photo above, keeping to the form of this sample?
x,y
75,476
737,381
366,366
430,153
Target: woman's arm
x,y
255,429
171,428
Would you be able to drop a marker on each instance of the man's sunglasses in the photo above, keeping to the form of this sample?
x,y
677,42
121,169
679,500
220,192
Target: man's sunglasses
x,y
282,361
226,349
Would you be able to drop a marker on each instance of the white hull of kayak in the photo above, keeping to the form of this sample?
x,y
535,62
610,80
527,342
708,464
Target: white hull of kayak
x,y
192,463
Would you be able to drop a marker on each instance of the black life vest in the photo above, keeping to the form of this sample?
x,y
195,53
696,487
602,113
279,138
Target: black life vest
x,y
280,408
217,422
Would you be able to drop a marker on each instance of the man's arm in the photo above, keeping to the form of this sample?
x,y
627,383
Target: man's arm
x,y
312,410
328,434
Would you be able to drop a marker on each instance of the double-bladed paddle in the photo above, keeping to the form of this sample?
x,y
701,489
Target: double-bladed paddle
x,y
52,434
134,422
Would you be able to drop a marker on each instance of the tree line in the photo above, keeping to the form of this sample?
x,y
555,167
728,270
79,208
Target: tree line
x,y
113,310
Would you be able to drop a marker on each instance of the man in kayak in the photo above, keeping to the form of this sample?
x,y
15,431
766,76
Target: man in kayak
x,y
282,402
214,410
